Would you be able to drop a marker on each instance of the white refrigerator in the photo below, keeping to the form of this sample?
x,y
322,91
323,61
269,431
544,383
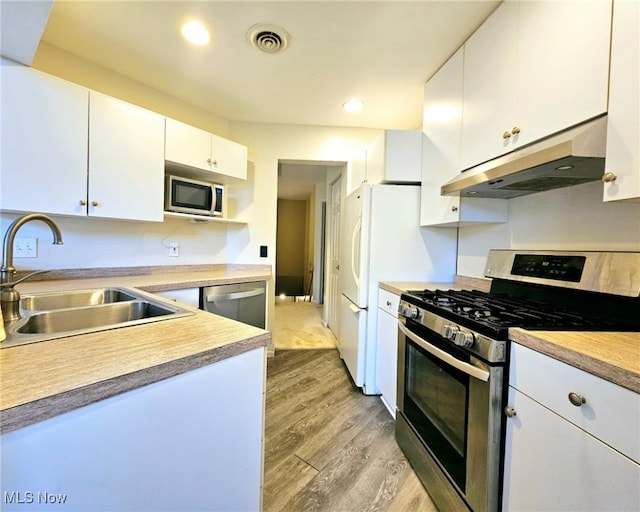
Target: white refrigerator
x,y
381,240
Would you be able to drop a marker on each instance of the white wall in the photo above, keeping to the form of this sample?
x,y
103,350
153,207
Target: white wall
x,y
95,243
256,200
573,218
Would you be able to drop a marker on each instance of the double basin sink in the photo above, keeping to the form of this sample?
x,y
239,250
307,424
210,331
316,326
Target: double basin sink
x,y
47,316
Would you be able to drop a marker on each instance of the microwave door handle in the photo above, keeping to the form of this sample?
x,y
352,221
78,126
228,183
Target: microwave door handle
x,y
443,356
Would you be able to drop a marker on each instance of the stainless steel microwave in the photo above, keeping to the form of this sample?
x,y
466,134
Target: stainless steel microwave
x,y
184,195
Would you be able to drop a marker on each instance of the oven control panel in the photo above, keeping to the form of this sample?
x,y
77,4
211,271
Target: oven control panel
x,y
557,267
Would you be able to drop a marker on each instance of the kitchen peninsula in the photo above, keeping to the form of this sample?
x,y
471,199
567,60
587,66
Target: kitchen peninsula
x,y
165,415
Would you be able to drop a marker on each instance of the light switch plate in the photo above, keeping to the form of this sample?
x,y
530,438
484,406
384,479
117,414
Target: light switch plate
x,y
25,248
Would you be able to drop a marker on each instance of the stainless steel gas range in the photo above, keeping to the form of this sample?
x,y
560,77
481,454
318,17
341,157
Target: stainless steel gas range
x,y
453,350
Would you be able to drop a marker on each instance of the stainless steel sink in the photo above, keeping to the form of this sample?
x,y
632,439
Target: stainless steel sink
x,y
74,299
73,319
54,315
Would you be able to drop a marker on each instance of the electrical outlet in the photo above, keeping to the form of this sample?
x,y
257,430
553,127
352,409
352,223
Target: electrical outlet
x,y
25,248
174,249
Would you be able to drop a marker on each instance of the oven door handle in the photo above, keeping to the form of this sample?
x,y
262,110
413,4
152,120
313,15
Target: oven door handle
x,y
443,356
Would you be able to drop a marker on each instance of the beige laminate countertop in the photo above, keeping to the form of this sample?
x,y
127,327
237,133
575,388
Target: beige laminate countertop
x,y
613,356
45,379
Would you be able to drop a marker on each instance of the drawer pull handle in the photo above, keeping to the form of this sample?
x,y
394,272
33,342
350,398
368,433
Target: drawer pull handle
x,y
577,399
388,303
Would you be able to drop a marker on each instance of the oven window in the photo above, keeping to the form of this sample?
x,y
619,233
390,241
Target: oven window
x,y
436,404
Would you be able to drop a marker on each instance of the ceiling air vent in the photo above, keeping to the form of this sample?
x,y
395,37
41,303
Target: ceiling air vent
x,y
268,38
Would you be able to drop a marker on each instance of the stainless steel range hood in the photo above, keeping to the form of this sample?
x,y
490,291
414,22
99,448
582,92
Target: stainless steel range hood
x,y
568,158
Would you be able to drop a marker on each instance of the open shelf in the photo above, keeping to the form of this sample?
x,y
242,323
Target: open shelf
x,y
201,219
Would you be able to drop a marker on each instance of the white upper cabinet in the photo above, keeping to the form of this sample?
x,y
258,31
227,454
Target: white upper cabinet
x,y
189,146
531,70
622,164
44,143
49,126
442,125
489,87
126,161
228,158
395,157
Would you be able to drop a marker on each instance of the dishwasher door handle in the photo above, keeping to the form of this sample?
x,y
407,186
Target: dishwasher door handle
x,y
235,295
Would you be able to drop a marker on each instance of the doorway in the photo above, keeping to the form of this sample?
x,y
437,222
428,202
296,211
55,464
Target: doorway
x,y
306,238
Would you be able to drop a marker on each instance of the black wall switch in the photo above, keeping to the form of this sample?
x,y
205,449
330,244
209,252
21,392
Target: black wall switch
x,y
263,251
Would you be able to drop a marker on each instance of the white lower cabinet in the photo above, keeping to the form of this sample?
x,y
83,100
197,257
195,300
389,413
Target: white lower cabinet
x,y
190,442
188,296
566,457
387,349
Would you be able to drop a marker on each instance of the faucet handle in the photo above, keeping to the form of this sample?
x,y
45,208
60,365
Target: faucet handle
x,y
23,278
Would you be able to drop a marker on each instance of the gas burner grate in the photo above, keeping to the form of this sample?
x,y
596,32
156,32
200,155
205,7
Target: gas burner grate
x,y
497,312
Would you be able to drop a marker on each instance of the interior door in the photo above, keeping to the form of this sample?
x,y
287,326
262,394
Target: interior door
x,y
333,250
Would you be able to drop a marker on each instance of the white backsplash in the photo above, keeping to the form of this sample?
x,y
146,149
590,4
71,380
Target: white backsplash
x,y
573,218
97,243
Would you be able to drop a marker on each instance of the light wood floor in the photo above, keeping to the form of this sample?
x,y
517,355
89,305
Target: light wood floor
x,y
298,325
328,447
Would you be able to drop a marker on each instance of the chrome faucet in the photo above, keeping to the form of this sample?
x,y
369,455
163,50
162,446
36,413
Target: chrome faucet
x,y
10,297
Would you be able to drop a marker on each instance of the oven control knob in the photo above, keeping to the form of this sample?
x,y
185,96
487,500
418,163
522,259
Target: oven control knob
x,y
450,332
408,311
464,339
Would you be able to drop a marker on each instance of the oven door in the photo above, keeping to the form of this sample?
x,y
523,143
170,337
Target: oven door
x,y
450,405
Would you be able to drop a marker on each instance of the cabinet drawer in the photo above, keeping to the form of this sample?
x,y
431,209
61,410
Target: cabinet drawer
x,y
389,302
610,412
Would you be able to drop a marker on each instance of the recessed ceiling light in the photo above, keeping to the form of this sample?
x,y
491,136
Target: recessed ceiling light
x,y
196,33
564,167
353,105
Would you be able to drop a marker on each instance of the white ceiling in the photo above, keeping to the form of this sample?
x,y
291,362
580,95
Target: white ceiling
x,y
381,52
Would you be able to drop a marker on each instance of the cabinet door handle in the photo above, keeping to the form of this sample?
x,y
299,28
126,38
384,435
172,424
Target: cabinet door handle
x,y
515,130
95,204
83,202
577,399
388,303
510,412
454,208
609,177
506,135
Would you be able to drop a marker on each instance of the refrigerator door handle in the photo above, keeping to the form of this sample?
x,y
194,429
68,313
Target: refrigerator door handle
x,y
354,308
355,256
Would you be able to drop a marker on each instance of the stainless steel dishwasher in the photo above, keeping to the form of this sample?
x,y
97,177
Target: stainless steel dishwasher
x,y
245,302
